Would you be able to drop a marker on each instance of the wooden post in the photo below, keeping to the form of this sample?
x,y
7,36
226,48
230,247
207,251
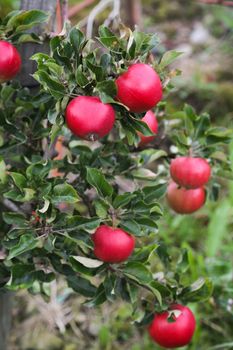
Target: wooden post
x,y
29,49
5,318
29,67
132,12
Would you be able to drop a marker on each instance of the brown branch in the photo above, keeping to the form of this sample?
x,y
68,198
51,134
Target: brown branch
x,y
79,7
59,19
217,2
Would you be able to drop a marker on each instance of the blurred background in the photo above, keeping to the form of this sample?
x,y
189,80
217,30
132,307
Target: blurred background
x,y
59,320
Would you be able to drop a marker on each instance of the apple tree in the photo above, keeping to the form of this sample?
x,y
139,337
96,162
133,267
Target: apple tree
x,y
90,212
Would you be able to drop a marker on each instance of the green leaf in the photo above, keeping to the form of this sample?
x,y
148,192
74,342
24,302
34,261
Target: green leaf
x,y
56,88
40,170
131,226
143,254
220,132
101,208
147,223
190,112
85,265
141,126
19,180
81,286
138,272
108,39
144,174
200,290
3,171
183,263
150,155
14,219
77,39
27,242
80,222
22,276
99,298
27,19
123,199
96,179
45,206
97,70
64,193
16,195
81,78
168,58
152,193
106,88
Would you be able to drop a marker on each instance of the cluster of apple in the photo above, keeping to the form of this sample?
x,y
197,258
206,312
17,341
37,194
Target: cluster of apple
x,y
139,89
186,193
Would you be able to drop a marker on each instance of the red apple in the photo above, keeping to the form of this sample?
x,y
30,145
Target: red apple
x,y
185,201
112,245
10,61
151,121
190,172
89,118
173,328
139,88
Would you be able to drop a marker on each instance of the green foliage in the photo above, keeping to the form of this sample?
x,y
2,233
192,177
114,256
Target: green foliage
x,y
113,181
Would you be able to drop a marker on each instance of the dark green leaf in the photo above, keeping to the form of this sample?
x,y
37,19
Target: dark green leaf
x,y
64,193
27,242
138,272
96,179
81,286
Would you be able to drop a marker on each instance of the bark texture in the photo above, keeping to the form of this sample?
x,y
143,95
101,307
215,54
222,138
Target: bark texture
x,y
29,49
132,12
5,318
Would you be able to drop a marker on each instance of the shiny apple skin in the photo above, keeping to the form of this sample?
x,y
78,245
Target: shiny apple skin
x,y
10,61
173,334
112,245
89,118
190,172
151,120
185,201
139,88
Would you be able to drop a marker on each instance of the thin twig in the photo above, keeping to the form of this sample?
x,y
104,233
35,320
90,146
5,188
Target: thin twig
x,y
12,206
115,12
94,13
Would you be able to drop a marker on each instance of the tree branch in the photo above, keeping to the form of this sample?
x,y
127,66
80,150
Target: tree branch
x,y
94,13
12,206
79,7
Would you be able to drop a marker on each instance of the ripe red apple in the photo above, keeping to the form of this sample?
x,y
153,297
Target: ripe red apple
x,y
10,61
185,201
112,245
190,172
151,121
173,328
139,88
89,118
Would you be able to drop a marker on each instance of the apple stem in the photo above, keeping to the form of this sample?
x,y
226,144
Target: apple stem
x,y
113,217
190,152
